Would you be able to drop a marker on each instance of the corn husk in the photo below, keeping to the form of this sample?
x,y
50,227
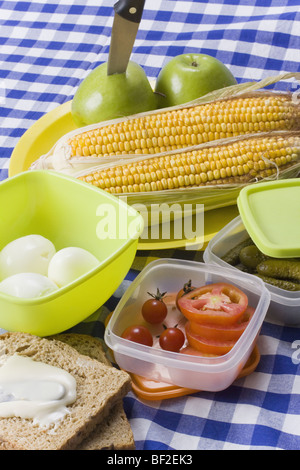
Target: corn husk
x,y
210,196
59,157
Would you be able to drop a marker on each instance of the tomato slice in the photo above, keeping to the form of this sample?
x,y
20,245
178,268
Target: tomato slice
x,y
207,346
223,332
218,303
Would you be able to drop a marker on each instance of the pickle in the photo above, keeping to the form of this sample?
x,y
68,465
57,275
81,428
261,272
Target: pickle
x,y
242,267
282,273
281,283
251,256
280,269
232,257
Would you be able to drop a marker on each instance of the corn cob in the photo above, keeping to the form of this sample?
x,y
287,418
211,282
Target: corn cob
x,y
175,129
234,162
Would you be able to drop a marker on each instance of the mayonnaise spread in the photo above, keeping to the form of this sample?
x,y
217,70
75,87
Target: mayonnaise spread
x,y
34,390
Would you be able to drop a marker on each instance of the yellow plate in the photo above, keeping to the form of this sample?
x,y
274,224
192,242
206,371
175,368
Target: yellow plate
x,y
44,133
41,137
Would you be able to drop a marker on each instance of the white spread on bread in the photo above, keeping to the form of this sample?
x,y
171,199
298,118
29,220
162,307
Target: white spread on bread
x,y
34,390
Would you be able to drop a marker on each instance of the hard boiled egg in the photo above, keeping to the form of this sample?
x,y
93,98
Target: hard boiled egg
x,y
27,285
28,254
68,264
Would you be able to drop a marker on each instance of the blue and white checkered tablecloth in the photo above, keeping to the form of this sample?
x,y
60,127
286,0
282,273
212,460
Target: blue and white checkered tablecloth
x,y
46,49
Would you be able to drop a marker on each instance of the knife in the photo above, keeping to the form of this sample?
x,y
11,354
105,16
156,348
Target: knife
x,y
128,14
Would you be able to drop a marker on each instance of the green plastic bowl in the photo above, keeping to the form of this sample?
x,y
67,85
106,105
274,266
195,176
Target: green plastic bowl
x,y
68,212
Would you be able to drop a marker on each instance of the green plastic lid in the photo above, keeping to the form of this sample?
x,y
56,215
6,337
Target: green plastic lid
x,y
270,212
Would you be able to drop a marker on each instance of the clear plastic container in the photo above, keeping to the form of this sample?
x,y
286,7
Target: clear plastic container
x,y
194,372
285,305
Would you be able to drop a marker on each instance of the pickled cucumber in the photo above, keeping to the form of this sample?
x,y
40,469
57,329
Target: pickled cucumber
x,y
232,257
282,273
251,256
281,283
280,269
243,268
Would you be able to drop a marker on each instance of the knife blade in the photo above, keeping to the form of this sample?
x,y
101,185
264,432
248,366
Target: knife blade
x,y
128,14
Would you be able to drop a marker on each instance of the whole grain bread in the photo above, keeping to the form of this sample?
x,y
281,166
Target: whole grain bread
x,y
114,433
99,387
85,344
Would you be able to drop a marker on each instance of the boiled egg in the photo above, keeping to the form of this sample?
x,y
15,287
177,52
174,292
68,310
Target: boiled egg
x,y
27,285
68,264
28,254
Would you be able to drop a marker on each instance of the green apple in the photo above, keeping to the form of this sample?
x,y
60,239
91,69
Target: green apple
x,y
189,76
101,97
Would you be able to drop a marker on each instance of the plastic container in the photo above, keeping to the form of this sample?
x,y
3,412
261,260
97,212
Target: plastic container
x,y
269,214
285,305
193,372
147,389
67,212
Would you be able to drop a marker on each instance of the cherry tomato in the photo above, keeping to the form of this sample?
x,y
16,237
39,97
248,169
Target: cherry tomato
x,y
208,346
187,287
138,334
155,310
172,339
219,303
223,332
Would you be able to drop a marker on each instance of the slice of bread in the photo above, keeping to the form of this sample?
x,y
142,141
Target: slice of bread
x,y
114,433
84,344
99,387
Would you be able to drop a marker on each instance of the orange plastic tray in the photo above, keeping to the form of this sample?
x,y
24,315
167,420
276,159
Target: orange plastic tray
x,y
147,389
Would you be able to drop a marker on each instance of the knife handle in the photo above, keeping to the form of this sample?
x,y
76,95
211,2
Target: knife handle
x,y
131,10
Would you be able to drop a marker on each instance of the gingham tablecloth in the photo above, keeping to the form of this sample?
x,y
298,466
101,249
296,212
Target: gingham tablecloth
x,y
46,49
